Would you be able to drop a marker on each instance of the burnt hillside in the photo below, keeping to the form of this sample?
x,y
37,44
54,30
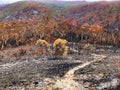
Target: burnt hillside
x,y
106,14
24,10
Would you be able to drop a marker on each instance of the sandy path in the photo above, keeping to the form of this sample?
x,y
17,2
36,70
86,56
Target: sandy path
x,y
67,82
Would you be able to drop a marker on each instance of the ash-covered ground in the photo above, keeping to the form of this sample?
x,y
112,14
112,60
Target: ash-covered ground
x,y
40,72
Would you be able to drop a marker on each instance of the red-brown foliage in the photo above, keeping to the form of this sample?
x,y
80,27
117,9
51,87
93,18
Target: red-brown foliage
x,y
106,14
38,51
22,32
117,74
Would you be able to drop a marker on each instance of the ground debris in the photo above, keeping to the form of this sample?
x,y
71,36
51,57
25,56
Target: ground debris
x,y
113,84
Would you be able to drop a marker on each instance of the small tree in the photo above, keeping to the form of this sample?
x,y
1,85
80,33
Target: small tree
x,y
44,44
117,74
60,47
87,47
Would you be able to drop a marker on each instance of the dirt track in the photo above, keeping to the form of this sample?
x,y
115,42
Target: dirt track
x,y
31,70
27,72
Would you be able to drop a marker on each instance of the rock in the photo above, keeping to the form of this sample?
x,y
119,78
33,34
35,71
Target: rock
x,y
59,84
68,85
36,82
87,84
51,82
114,83
99,76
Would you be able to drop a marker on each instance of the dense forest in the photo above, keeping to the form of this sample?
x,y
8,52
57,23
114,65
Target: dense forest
x,y
99,23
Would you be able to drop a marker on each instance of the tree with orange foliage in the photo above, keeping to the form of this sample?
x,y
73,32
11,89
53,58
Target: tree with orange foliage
x,y
4,33
87,47
97,33
44,44
95,28
60,47
22,51
85,26
50,29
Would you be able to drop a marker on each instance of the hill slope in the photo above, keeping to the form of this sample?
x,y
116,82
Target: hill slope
x,y
106,14
60,6
23,10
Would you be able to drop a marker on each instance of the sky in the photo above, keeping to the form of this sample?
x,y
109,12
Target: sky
x,y
11,1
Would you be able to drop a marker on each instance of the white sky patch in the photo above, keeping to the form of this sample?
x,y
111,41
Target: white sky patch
x,y
8,1
11,1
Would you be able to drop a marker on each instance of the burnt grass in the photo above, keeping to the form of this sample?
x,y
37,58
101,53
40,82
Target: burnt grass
x,y
24,72
61,69
105,67
27,69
